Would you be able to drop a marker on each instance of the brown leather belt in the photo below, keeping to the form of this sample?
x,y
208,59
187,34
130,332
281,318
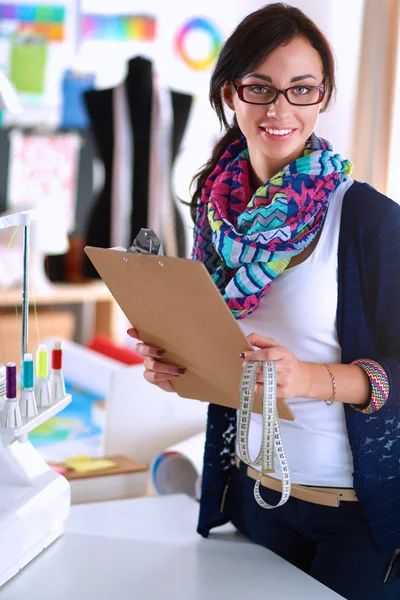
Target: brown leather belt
x,y
316,495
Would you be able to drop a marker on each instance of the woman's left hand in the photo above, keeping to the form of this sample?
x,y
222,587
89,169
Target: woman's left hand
x,y
293,379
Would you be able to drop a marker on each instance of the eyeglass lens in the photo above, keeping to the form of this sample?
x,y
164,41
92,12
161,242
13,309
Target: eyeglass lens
x,y
262,94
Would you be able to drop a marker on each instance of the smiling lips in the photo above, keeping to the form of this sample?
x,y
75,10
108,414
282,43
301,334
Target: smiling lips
x,y
281,133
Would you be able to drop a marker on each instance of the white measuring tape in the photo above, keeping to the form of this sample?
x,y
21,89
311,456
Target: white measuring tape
x,y
271,441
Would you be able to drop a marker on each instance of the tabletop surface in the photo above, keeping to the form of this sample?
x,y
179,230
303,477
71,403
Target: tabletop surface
x,y
148,548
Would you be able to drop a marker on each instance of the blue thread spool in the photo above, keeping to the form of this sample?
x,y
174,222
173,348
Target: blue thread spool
x,y
27,372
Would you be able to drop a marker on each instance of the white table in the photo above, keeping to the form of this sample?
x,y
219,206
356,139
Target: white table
x,y
148,549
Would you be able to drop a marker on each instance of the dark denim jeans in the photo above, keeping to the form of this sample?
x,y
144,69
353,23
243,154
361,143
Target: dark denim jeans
x,y
333,545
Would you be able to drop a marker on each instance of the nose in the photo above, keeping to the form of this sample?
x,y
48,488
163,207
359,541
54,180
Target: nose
x,y
280,108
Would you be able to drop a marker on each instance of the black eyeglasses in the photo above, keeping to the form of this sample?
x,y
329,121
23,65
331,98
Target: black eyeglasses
x,y
298,95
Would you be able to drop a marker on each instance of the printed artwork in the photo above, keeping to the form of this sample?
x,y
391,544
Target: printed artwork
x,y
182,42
75,430
141,28
42,174
42,19
28,59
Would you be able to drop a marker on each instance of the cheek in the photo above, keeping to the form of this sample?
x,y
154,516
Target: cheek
x,y
309,118
248,116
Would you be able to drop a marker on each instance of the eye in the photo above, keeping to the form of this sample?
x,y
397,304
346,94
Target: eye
x,y
259,89
301,90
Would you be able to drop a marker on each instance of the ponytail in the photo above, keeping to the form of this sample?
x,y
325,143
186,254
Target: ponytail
x,y
232,134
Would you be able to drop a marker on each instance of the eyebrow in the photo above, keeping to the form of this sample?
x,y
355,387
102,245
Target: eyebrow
x,y
293,80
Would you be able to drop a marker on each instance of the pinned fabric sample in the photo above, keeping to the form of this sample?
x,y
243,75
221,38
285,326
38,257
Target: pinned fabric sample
x,y
74,113
28,59
42,175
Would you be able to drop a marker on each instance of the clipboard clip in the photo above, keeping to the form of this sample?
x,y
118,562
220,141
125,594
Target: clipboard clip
x,y
146,242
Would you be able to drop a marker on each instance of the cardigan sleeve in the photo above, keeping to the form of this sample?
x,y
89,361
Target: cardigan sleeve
x,y
381,291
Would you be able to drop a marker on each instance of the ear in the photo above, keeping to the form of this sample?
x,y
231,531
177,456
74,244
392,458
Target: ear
x,y
227,91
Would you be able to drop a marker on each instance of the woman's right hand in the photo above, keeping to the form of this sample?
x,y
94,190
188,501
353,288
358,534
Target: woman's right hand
x,y
155,371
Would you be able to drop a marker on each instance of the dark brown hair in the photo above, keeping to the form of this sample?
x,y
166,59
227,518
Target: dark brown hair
x,y
253,40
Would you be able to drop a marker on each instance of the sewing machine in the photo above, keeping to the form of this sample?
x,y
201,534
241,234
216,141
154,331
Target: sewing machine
x,y
34,500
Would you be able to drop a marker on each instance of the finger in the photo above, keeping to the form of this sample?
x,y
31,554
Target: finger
x,y
281,378
167,387
276,353
133,333
145,350
153,364
259,388
260,341
158,378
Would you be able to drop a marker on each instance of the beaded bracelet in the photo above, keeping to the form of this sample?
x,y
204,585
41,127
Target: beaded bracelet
x,y
379,385
333,397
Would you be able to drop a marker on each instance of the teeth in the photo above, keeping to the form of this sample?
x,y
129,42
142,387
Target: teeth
x,y
278,131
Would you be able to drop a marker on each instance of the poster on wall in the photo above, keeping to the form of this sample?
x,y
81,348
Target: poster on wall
x,y
36,45
117,28
27,65
120,30
47,20
42,175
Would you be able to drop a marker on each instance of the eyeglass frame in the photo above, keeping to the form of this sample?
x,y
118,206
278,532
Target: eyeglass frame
x,y
239,90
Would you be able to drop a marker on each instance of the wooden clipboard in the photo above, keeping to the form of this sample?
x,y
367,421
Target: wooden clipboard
x,y
174,304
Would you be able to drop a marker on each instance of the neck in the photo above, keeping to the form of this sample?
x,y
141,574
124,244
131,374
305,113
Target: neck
x,y
264,167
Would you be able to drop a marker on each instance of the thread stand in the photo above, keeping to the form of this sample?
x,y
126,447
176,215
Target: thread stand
x,y
34,499
44,414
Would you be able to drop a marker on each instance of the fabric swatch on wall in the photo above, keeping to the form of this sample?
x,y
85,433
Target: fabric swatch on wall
x,y
74,113
28,59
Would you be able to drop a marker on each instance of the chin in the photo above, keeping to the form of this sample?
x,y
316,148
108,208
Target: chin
x,y
283,151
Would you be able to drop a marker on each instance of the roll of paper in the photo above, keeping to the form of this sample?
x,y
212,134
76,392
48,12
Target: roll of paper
x,y
178,469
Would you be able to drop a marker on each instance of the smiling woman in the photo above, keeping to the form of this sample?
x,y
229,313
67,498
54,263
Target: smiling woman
x,y
286,235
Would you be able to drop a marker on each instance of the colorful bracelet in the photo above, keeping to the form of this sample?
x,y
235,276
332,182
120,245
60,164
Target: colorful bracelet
x,y
379,385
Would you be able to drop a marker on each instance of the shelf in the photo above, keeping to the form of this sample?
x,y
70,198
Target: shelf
x,y
60,293
44,414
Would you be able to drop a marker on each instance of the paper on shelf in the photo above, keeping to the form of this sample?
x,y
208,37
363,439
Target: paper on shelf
x,y
85,464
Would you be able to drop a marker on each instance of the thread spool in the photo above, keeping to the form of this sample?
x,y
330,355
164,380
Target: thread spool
x,y
11,380
27,372
57,385
56,357
42,362
27,402
11,416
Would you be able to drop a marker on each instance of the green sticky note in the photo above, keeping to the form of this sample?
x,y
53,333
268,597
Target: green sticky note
x,y
28,65
44,14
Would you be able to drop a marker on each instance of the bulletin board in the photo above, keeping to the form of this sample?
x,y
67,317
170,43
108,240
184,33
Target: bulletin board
x,y
97,38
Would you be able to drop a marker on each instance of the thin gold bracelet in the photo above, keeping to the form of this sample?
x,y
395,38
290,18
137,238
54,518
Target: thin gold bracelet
x,y
333,397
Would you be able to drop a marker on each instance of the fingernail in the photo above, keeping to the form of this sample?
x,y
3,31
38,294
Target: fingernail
x,y
160,353
242,355
181,371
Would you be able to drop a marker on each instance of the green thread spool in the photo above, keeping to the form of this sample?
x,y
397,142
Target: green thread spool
x,y
42,362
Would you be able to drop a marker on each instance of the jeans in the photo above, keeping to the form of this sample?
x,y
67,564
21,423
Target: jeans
x,y
333,545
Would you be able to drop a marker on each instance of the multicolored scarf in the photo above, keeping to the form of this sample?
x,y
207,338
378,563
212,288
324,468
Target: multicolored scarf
x,y
246,240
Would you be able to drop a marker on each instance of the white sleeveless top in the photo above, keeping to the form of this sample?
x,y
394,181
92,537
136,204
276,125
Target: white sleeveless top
x,y
299,312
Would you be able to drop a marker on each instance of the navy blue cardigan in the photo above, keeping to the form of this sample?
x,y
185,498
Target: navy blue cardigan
x,y
368,326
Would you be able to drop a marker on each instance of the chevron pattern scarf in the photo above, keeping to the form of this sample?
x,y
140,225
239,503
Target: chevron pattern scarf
x,y
246,240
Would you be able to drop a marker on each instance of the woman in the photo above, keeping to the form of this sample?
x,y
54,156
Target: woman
x,y
309,260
